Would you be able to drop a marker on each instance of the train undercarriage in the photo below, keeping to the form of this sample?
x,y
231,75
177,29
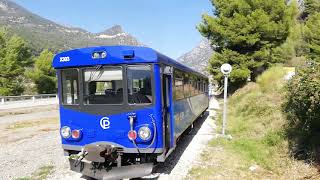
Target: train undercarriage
x,y
109,162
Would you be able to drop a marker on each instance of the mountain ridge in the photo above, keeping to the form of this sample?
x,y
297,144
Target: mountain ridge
x,y
42,33
198,57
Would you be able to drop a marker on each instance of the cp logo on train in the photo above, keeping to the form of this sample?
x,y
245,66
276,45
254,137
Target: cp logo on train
x,y
105,123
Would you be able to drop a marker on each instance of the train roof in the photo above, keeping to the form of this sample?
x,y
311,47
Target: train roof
x,y
114,55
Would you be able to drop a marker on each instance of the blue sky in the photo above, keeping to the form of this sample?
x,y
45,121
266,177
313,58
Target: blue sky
x,y
166,25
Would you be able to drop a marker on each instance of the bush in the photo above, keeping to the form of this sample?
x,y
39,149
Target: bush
x,y
302,108
303,100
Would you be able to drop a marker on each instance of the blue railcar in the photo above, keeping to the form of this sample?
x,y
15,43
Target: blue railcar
x,y
123,108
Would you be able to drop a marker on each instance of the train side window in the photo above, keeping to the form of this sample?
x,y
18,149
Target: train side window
x,y
195,87
201,86
192,89
139,84
186,88
196,92
205,87
178,89
70,92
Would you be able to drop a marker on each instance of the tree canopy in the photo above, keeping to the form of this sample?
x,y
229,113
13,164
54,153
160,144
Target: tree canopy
x,y
312,36
43,74
245,33
311,7
14,57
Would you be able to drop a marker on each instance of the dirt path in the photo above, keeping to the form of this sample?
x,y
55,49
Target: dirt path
x,y
28,142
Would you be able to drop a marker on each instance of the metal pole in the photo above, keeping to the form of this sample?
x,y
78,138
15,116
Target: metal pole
x,y
225,104
2,100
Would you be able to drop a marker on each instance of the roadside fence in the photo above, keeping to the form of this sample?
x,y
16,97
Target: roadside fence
x,y
32,98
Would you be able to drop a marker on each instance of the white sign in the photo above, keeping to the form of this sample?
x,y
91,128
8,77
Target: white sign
x,y
226,69
105,123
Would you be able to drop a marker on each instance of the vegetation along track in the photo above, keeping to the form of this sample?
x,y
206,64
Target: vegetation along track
x,y
260,146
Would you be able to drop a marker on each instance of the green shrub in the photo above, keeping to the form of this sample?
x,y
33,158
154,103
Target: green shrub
x,y
302,104
271,80
302,108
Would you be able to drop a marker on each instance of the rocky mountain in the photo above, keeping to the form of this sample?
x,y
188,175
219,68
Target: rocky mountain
x,y
42,33
198,57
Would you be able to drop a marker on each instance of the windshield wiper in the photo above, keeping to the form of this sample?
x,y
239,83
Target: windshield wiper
x,y
93,73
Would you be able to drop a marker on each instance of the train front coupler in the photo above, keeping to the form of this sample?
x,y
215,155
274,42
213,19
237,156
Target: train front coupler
x,y
103,161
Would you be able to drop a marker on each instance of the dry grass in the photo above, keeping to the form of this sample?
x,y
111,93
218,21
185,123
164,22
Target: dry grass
x,y
27,110
40,174
27,129
27,124
220,163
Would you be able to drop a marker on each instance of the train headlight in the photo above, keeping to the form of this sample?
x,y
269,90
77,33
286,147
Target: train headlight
x,y
103,54
144,133
96,55
65,132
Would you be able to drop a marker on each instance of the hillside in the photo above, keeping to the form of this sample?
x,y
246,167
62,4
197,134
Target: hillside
x,y
259,148
198,57
42,33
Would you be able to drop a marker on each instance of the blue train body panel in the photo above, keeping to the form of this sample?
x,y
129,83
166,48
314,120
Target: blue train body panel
x,y
187,110
117,131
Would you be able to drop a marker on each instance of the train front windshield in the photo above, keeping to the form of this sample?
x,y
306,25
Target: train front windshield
x,y
105,85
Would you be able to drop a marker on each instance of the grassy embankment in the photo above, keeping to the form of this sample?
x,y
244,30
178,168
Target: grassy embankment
x,y
259,148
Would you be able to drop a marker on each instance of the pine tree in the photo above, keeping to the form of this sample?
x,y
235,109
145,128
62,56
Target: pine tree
x,y
43,74
14,57
312,36
311,7
245,33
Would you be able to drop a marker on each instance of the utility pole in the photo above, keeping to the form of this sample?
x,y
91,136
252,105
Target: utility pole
x,y
226,70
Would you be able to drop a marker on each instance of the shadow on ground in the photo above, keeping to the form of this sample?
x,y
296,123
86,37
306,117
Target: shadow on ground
x,y
182,144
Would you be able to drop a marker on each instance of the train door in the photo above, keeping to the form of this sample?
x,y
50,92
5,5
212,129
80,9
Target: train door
x,y
166,110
